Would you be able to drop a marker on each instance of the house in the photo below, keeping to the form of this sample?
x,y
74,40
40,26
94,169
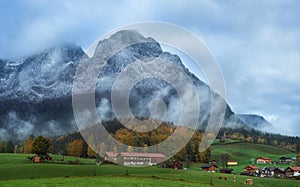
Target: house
x,y
285,160
214,162
272,172
140,159
292,171
232,163
267,172
263,160
209,168
251,169
36,159
278,173
111,156
226,170
177,165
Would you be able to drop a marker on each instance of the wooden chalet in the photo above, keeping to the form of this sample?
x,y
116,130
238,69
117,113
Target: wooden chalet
x,y
209,168
263,160
279,172
267,172
285,160
292,172
251,169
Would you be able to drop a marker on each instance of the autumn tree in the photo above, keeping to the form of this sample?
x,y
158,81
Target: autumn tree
x,y
91,153
41,146
75,148
249,139
28,144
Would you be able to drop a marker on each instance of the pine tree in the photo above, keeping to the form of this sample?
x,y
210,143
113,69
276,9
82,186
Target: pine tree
x,y
9,147
41,146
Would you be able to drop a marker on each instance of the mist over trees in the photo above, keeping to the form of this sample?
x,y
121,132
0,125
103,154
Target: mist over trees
x,y
74,144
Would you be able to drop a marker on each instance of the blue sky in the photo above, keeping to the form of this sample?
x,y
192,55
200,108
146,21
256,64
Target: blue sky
x,y
256,43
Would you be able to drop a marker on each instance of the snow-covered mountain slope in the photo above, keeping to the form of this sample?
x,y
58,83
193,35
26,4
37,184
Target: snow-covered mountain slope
x,y
36,93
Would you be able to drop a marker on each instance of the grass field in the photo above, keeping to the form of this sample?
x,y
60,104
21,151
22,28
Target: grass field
x,y
246,151
16,170
245,154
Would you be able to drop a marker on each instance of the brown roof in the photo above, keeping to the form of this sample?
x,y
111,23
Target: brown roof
x,y
251,167
295,168
264,158
111,154
209,165
153,155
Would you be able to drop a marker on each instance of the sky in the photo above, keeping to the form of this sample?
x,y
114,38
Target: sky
x,y
256,43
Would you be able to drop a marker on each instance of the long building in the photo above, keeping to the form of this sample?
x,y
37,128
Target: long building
x,y
135,159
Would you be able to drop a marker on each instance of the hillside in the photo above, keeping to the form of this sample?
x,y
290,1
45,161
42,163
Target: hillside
x,y
244,152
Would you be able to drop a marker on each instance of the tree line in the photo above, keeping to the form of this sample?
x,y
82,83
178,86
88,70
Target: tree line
x,y
74,145
291,143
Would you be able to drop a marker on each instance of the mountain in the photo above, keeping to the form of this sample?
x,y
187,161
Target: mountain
x,y
255,121
36,93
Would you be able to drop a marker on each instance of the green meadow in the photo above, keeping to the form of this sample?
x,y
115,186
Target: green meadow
x,y
17,170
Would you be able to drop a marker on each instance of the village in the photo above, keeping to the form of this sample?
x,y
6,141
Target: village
x,y
264,166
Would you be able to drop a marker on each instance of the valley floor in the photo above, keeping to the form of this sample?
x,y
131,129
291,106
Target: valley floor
x,y
16,170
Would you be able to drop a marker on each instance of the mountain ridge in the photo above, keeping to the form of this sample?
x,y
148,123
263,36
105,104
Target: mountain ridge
x,y
35,93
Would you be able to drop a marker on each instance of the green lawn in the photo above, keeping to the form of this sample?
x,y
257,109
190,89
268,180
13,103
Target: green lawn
x,y
246,153
174,178
17,170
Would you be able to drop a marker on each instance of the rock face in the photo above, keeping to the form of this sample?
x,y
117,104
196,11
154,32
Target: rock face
x,y
36,93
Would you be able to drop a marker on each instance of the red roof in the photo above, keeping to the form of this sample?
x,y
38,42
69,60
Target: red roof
x,y
111,154
152,155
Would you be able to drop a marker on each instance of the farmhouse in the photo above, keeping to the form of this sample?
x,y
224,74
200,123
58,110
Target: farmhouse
x,y
232,163
267,172
209,168
251,169
285,160
175,164
226,170
263,160
140,159
111,156
279,172
292,171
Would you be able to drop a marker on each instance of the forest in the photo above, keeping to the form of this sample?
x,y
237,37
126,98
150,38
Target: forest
x,y
74,144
